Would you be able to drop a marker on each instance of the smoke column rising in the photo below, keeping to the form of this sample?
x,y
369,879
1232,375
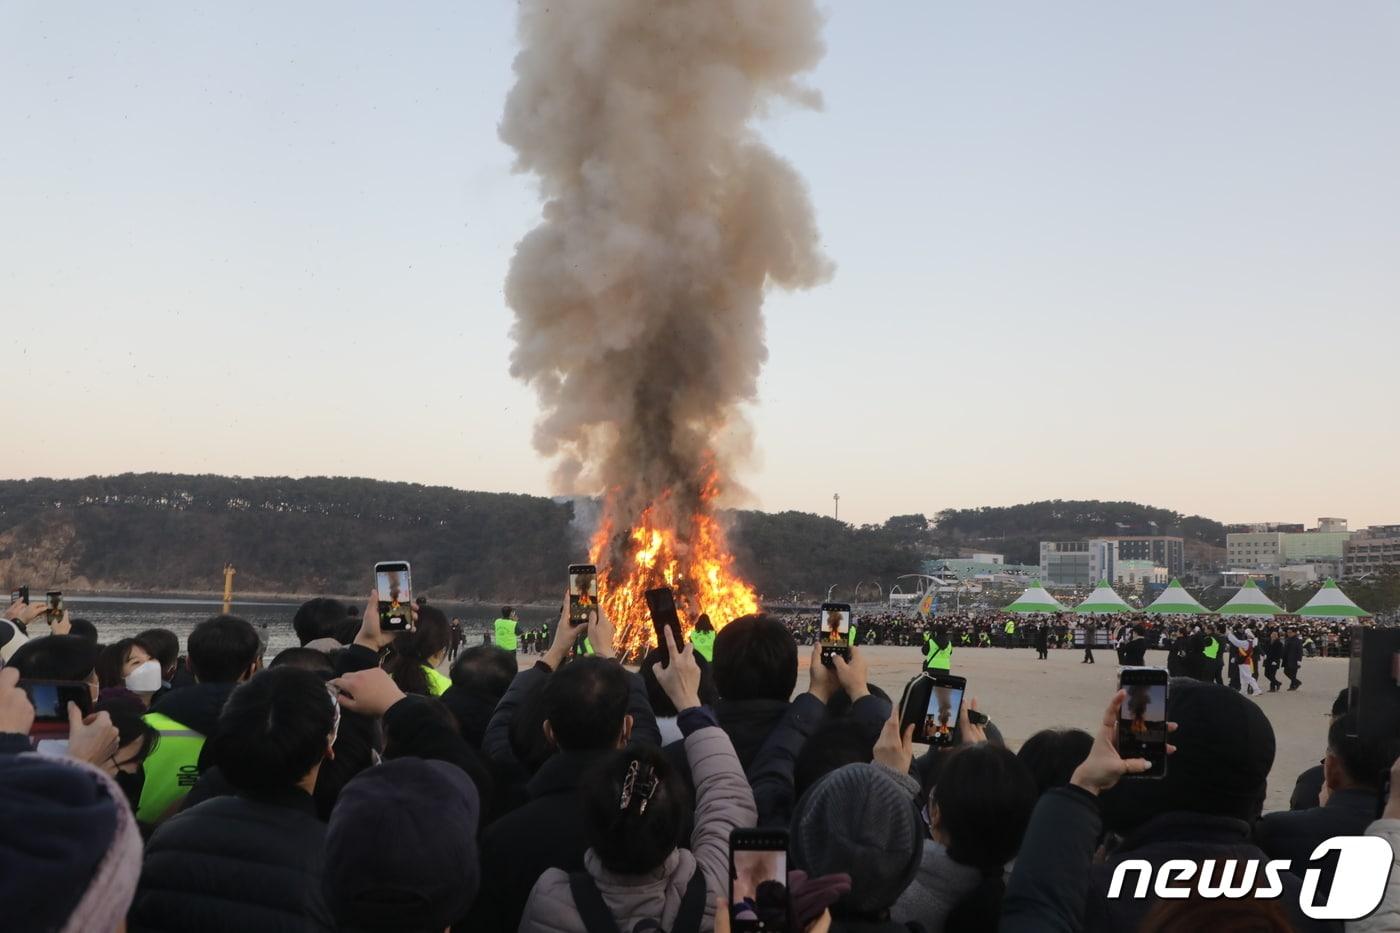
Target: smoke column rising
x,y
638,299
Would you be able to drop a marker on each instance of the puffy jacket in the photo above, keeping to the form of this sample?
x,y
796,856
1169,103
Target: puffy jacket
x,y
235,864
1387,916
724,802
936,889
1294,834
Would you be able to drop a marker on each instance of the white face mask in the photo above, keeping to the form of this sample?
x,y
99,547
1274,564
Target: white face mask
x,y
145,678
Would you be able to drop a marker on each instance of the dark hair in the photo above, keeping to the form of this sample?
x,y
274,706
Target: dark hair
x,y
985,796
322,617
221,649
55,657
837,743
163,645
703,623
506,611
1365,761
485,669
308,659
586,703
755,659
1342,703
126,712
110,661
355,747
1053,754
83,629
632,839
273,730
411,651
661,704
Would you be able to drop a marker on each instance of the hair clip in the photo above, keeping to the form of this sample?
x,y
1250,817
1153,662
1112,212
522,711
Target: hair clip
x,y
632,789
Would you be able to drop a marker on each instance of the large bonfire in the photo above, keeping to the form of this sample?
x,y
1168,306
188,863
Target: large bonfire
x,y
638,298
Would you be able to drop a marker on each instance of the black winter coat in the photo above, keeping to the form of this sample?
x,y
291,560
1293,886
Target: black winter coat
x,y
235,864
1294,834
547,832
1292,651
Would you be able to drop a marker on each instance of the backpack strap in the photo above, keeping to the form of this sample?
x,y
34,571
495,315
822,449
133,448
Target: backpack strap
x,y
692,911
588,900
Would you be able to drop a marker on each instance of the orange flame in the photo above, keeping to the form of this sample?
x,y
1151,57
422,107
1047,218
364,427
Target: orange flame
x,y
693,560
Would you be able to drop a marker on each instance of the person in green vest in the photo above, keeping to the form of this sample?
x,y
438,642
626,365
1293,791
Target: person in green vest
x,y
1212,664
507,629
938,650
852,637
222,653
1010,629
703,637
419,652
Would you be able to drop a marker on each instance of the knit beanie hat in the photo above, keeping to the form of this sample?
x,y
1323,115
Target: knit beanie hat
x,y
1224,750
859,820
70,852
401,848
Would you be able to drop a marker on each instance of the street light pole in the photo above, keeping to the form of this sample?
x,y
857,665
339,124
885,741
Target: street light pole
x,y
836,506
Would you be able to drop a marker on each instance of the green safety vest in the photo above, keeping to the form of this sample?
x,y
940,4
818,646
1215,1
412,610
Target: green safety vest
x,y
505,634
704,643
171,768
1212,648
585,647
851,635
437,682
936,658
1010,627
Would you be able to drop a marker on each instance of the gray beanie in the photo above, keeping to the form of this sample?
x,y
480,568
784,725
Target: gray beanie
x,y
859,820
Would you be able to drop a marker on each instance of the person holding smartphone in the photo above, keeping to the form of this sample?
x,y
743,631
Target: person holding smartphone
x,y
634,806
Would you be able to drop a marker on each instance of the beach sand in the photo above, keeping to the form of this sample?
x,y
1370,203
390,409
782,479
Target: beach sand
x,y
1022,695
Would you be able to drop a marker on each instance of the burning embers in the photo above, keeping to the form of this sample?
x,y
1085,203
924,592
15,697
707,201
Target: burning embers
x,y
669,544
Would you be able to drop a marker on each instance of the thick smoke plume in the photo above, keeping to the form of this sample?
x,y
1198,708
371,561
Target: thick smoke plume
x,y
638,298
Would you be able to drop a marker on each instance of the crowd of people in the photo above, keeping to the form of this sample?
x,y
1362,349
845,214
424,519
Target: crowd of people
x,y
348,784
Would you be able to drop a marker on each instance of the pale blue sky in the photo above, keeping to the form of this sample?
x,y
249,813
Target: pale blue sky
x,y
1084,250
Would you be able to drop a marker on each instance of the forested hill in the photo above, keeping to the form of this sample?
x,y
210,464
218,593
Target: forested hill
x,y
1017,530
162,532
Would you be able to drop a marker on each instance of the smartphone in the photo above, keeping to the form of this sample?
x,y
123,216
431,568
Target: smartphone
x,y
55,598
393,581
835,631
661,603
50,700
932,703
758,888
1142,721
583,592
20,595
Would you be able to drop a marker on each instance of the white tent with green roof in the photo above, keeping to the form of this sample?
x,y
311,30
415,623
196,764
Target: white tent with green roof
x,y
1174,600
1249,601
1103,599
1331,602
1035,599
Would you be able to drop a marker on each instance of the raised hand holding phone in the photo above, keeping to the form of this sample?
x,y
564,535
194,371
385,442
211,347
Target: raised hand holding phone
x,y
370,635
895,747
92,739
852,674
1104,766
369,692
680,675
600,633
822,682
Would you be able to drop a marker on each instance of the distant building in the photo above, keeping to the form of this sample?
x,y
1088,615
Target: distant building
x,y
1269,550
1140,574
970,568
1372,549
1066,563
1167,551
1261,527
989,558
1085,563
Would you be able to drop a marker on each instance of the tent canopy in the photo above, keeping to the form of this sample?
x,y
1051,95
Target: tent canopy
x,y
1102,600
1249,601
1035,599
1174,600
1331,602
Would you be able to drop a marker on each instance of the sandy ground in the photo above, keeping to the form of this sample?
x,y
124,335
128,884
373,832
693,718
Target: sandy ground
x,y
1023,695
